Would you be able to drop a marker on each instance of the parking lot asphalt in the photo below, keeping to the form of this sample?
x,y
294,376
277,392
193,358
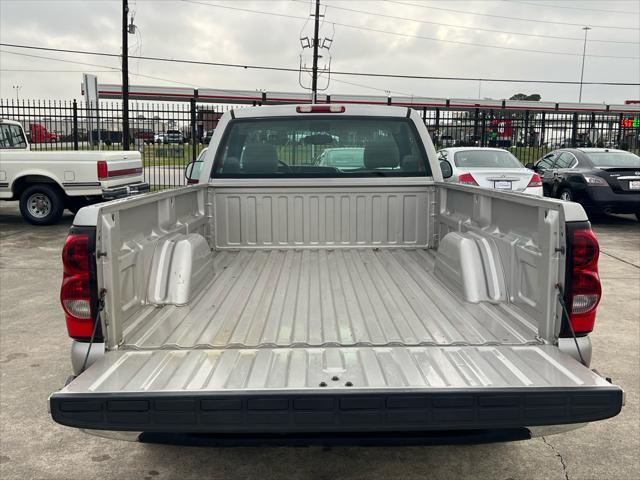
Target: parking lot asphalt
x,y
34,361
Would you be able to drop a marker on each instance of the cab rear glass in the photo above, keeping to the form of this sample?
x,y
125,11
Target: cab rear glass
x,y
320,146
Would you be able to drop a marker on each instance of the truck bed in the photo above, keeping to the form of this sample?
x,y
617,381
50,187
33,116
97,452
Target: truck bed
x,y
327,297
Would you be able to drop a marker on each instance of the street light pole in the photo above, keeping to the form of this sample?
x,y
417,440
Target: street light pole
x,y
125,76
17,89
584,51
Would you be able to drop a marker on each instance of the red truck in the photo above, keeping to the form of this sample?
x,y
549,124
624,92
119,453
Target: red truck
x,y
39,134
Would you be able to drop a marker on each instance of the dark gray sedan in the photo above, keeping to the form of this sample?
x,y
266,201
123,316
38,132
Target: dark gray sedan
x,y
602,180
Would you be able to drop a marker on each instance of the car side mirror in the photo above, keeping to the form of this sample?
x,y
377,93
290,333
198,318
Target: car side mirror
x,y
188,173
530,166
446,169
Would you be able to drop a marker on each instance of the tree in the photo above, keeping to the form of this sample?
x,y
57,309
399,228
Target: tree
x,y
534,97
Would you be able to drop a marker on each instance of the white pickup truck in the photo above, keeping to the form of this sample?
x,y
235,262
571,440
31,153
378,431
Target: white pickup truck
x,y
46,183
301,302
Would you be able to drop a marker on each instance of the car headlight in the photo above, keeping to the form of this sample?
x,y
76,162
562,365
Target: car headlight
x,y
594,181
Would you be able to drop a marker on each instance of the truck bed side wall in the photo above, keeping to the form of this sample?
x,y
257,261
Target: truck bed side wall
x,y
527,236
129,231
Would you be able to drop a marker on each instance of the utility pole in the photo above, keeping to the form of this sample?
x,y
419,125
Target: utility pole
x,y
125,76
314,72
584,51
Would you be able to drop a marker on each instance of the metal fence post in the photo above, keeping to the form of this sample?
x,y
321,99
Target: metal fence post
x,y
194,140
619,136
75,124
542,126
526,128
574,131
482,131
475,124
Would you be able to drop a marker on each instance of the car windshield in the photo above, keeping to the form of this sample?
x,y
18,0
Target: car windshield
x,y
614,159
486,159
320,146
342,158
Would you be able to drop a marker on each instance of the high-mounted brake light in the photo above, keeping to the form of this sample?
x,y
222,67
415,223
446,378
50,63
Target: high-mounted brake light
x,y
583,282
103,170
467,179
76,294
320,109
535,181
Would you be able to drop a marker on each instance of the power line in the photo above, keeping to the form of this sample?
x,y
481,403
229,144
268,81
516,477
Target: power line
x,y
111,69
554,37
273,14
555,5
474,44
296,70
421,37
156,59
504,17
480,79
54,71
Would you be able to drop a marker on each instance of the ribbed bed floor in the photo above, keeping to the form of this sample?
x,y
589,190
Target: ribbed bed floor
x,y
327,297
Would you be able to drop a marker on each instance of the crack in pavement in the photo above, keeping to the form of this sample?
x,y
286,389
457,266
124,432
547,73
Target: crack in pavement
x,y
559,455
620,259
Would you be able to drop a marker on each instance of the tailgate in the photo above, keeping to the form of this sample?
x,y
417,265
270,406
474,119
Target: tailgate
x,y
122,168
334,389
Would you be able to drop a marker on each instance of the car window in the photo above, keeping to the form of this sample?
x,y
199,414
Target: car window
x,y
565,160
320,146
486,159
547,161
614,159
11,136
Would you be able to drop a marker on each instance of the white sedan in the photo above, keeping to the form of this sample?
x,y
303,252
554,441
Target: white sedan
x,y
490,168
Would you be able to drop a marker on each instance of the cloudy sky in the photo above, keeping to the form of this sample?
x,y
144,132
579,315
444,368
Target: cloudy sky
x,y
521,39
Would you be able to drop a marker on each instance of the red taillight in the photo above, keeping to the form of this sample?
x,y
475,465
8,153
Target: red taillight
x,y
535,181
103,170
320,109
75,254
584,290
586,250
75,293
467,179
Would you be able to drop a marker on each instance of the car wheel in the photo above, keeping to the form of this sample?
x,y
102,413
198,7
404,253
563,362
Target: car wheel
x,y
41,204
566,195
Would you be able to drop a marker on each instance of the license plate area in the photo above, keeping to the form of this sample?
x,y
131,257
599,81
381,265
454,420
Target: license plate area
x,y
502,184
634,184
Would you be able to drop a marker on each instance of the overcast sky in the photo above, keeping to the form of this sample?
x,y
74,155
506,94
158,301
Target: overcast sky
x,y
200,30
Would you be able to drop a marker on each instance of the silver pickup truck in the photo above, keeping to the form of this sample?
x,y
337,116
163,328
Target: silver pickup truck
x,y
280,296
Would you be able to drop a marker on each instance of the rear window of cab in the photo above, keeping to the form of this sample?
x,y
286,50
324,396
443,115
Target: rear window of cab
x,y
320,146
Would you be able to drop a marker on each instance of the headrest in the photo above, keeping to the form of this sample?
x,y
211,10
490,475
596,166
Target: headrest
x,y
381,153
260,158
411,163
231,165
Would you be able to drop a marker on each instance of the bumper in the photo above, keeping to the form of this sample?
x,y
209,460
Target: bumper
x,y
282,413
112,193
536,191
603,199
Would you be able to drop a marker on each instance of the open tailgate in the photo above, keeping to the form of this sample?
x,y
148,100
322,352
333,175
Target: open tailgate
x,y
335,389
